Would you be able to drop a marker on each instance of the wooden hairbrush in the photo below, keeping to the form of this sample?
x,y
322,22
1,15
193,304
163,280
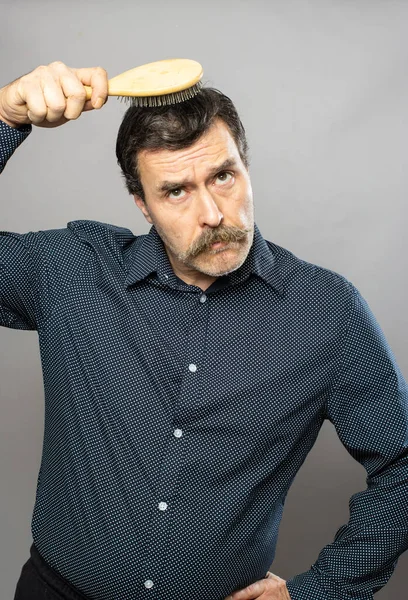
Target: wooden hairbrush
x,y
158,83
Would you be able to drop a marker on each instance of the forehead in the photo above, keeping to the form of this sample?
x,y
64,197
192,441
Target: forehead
x,y
212,148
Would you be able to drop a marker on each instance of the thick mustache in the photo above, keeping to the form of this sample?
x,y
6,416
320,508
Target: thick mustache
x,y
219,234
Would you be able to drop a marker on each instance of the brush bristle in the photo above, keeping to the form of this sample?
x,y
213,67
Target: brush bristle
x,y
165,100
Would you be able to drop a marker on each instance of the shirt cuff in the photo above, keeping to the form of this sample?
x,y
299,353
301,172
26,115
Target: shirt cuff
x,y
10,139
306,586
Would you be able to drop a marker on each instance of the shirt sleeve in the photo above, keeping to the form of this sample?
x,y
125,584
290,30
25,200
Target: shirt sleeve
x,y
20,282
369,409
10,139
17,276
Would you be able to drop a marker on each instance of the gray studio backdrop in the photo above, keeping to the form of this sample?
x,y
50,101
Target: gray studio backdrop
x,y
322,89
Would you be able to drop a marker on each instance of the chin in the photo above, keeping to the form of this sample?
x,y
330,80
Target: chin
x,y
218,264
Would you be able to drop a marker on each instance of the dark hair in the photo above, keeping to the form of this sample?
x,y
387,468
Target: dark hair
x,y
172,128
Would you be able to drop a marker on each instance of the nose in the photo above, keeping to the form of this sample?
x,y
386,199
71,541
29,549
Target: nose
x,y
209,212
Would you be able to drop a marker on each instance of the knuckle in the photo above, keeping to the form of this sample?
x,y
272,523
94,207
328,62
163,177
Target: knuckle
x,y
39,113
40,70
79,96
56,64
100,70
38,116
58,107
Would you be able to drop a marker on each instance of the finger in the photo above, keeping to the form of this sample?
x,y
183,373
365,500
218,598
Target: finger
x,y
54,97
249,593
33,96
271,576
99,84
97,78
276,586
75,95
88,106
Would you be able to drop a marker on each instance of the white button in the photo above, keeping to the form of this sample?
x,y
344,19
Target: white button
x,y
177,433
148,584
166,276
162,506
192,367
203,298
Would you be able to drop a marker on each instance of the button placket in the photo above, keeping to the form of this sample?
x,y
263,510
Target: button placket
x,y
193,381
164,518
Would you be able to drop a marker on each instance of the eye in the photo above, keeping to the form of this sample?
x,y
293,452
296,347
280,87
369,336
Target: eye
x,y
176,193
224,177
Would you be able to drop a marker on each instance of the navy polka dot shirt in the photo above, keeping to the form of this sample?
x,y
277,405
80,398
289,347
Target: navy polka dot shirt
x,y
176,420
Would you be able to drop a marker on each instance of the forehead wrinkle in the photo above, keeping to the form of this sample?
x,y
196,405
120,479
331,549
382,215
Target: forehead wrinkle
x,y
186,158
165,185
215,141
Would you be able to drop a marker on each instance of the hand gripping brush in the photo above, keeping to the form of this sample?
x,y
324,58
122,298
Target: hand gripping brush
x,y
158,83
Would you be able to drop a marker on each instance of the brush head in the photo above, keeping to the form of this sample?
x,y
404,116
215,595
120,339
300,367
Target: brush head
x,y
162,100
159,83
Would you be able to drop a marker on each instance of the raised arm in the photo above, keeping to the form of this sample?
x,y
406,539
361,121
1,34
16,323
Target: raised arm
x,y
49,96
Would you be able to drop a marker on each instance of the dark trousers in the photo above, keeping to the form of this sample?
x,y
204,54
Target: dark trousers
x,y
39,582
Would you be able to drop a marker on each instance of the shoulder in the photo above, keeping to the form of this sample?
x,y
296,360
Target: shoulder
x,y
96,231
92,234
310,280
95,237
74,243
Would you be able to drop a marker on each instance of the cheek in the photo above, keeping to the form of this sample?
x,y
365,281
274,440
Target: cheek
x,y
242,203
180,223
175,230
167,220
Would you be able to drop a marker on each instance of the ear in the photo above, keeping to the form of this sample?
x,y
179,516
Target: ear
x,y
143,207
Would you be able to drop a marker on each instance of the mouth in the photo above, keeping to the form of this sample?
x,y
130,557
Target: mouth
x,y
220,247
216,245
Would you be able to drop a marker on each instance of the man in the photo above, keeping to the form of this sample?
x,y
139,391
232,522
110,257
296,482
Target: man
x,y
187,373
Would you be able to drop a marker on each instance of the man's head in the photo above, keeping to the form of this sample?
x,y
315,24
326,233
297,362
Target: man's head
x,y
187,167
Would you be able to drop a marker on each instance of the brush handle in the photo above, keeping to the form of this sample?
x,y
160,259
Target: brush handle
x,y
111,92
88,91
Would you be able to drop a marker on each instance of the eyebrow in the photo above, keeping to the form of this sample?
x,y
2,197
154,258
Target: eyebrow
x,y
167,186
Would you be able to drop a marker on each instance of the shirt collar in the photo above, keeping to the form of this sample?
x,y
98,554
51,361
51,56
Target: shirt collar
x,y
148,256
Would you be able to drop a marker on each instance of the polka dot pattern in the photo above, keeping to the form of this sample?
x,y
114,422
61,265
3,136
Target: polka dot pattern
x,y
10,139
175,421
